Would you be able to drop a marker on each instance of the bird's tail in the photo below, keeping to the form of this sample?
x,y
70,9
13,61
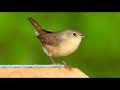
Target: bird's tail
x,y
36,25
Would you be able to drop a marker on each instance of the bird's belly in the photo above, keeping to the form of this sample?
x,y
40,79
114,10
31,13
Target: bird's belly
x,y
62,50
67,49
53,51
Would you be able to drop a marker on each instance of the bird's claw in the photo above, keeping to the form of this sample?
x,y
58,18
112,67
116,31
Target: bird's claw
x,y
57,65
68,67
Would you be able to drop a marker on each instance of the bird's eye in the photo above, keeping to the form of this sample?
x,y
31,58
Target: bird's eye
x,y
74,34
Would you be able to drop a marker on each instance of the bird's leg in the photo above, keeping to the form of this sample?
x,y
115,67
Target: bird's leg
x,y
52,60
66,66
58,65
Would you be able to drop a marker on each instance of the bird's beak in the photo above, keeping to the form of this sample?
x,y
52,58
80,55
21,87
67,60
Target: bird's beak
x,y
83,36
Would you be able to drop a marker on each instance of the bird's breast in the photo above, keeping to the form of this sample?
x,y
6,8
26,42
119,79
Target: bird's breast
x,y
69,46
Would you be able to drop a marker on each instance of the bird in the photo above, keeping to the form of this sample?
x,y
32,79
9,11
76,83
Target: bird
x,y
58,43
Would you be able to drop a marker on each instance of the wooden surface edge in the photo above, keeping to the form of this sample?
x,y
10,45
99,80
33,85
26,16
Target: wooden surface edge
x,y
41,73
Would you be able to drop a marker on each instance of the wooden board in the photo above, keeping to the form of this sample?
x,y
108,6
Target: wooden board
x,y
41,73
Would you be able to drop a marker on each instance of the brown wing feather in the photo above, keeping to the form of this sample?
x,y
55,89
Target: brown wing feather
x,y
50,39
47,31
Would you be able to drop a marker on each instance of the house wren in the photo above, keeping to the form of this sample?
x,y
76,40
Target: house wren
x,y
58,44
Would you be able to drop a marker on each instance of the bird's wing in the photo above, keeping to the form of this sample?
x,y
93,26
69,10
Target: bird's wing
x,y
48,31
50,38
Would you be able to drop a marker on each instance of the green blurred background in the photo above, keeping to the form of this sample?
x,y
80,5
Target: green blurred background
x,y
97,56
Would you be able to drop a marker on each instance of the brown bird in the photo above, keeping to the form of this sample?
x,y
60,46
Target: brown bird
x,y
58,44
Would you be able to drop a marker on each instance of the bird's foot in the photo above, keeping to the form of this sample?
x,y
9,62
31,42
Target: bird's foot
x,y
68,67
57,65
